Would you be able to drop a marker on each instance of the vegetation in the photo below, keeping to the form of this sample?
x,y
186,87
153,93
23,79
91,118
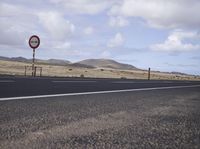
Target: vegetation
x,y
18,68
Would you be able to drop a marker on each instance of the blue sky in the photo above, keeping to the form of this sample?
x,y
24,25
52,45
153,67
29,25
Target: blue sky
x,y
163,35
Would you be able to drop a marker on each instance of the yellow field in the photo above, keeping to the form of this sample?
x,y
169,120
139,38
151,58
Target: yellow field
x,y
18,68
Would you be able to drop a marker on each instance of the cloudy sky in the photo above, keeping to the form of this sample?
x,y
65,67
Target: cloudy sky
x,y
161,34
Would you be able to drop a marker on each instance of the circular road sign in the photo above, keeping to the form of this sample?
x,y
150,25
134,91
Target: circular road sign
x,y
34,42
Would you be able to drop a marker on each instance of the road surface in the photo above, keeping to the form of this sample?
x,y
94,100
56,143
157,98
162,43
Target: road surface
x,y
57,113
21,86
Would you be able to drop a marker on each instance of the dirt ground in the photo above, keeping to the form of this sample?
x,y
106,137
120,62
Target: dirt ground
x,y
18,68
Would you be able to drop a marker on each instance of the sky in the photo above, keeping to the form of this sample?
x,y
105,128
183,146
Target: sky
x,y
161,34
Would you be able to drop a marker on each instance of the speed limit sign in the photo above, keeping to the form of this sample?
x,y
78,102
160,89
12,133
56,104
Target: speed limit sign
x,y
34,42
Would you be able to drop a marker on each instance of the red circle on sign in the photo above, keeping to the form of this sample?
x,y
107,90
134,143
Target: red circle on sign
x,y
34,41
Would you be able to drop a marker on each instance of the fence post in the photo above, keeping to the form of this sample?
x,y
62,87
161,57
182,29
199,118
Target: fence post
x,y
35,69
33,63
149,73
40,71
25,71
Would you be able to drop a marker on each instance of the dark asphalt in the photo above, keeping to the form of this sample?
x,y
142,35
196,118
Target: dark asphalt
x,y
168,118
19,86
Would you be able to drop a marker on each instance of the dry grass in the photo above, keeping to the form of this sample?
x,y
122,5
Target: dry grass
x,y
18,68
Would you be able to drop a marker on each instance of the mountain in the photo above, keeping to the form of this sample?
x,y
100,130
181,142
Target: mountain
x,y
178,73
4,58
106,63
18,59
88,63
54,62
57,61
81,65
49,61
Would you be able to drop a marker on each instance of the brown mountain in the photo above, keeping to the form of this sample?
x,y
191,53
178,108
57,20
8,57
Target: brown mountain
x,y
49,61
88,63
106,63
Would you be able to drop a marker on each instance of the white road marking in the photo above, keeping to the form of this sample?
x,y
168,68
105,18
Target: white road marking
x,y
123,82
74,81
129,82
6,81
99,92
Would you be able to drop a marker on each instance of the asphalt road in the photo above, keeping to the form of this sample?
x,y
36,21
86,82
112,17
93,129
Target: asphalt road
x,y
158,117
19,86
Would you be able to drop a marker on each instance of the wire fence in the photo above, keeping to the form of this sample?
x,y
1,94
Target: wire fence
x,y
30,71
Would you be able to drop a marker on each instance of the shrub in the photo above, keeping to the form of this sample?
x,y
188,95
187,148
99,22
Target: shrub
x,y
82,75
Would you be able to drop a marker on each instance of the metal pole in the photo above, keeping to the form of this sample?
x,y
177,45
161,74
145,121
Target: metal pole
x,y
40,71
35,71
33,63
25,71
149,73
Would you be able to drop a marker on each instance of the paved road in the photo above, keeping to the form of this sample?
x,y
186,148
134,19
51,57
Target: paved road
x,y
152,118
19,86
167,118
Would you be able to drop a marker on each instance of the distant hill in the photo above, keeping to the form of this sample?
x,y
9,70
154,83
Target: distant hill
x,y
18,59
81,65
49,61
106,63
88,63
178,73
54,61
4,58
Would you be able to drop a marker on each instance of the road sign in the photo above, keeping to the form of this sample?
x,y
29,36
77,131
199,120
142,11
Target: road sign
x,y
34,42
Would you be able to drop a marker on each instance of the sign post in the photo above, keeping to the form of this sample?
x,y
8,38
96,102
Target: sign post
x,y
149,73
34,43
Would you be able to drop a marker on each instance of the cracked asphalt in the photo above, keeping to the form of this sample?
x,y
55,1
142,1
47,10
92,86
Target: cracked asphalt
x,y
154,119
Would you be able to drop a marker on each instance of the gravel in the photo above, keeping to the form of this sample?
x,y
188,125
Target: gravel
x,y
144,119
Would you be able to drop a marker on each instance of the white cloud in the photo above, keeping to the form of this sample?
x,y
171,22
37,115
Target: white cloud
x,y
54,23
15,24
105,54
89,30
118,21
11,36
84,6
116,41
175,42
7,10
62,45
161,13
18,23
